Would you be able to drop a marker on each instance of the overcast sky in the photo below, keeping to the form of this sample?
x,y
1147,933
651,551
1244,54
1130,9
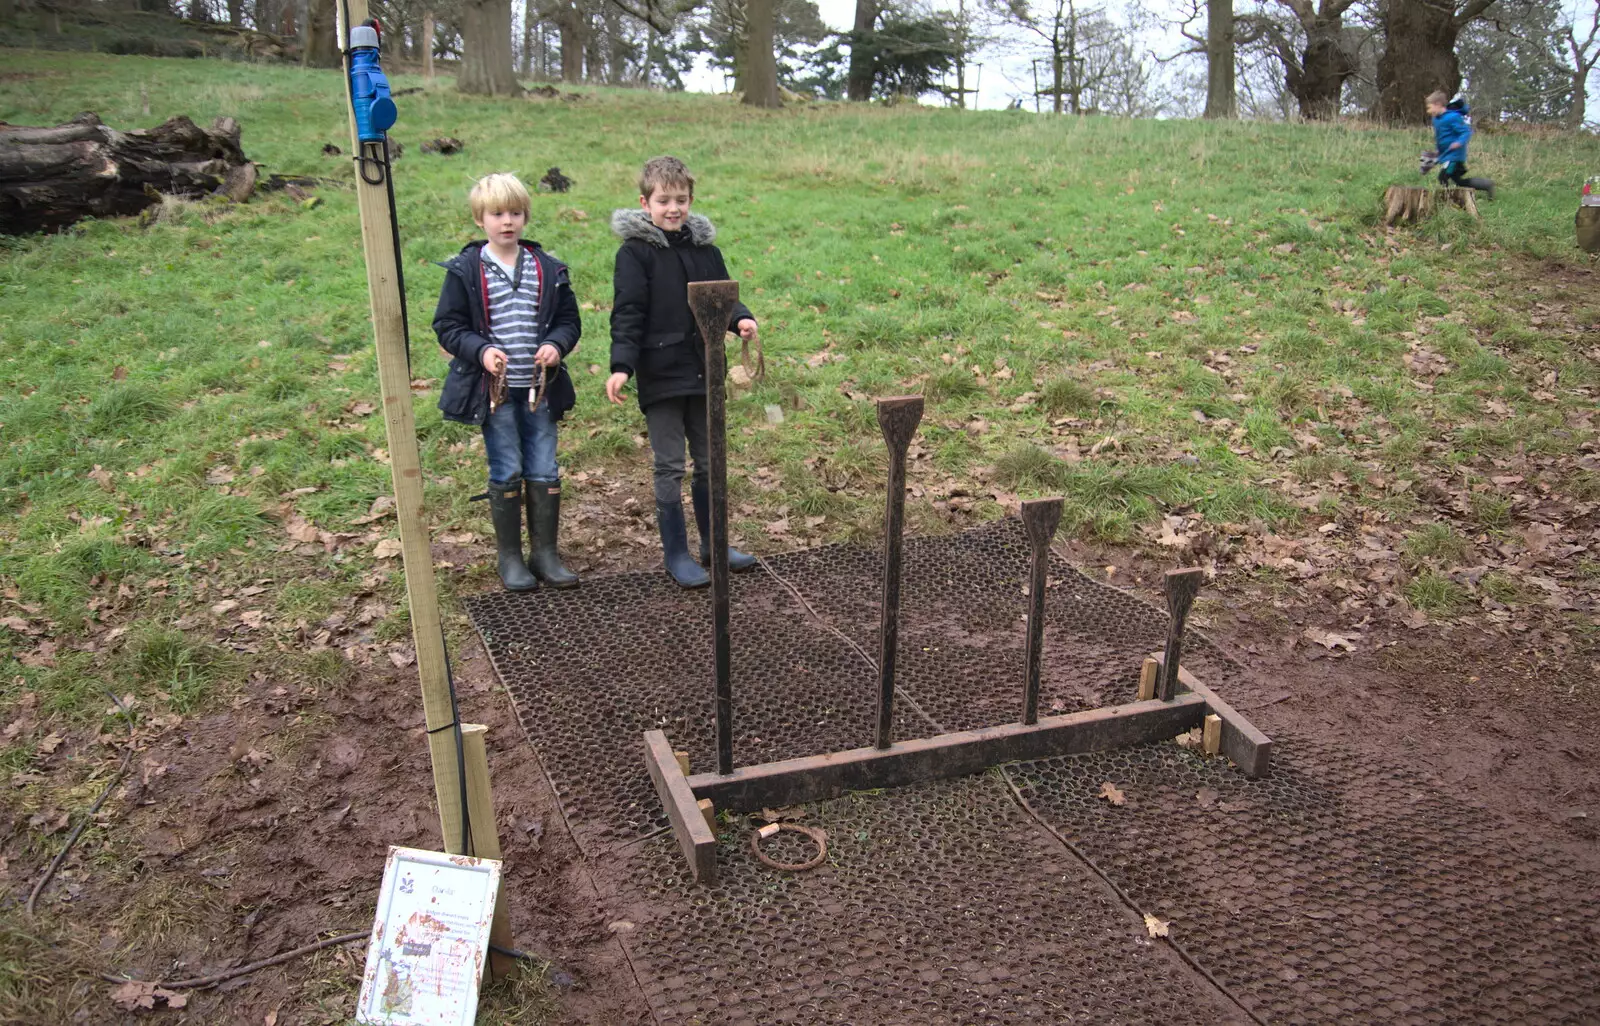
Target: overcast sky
x,y
1003,77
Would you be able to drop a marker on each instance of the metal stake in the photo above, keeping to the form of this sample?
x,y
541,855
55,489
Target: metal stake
x,y
898,417
712,304
1182,586
1040,517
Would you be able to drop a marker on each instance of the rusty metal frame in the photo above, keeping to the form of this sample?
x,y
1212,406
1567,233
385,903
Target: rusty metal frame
x,y
890,763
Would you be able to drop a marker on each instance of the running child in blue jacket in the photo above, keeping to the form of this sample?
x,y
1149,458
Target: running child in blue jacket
x,y
1452,128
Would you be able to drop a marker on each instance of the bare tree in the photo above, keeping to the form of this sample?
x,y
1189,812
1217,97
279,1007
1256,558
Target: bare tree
x,y
1314,51
1419,53
321,43
760,63
1585,56
1068,33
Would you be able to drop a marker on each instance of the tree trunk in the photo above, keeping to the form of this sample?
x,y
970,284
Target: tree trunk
x,y
322,48
760,63
593,63
529,18
1221,97
53,177
570,24
616,48
1318,84
1419,56
1579,110
486,67
427,45
1056,77
236,13
858,83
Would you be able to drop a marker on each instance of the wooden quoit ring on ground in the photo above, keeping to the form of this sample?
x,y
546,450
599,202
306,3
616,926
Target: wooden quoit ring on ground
x,y
792,867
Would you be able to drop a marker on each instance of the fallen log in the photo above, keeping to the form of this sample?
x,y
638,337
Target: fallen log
x,y
53,177
1404,204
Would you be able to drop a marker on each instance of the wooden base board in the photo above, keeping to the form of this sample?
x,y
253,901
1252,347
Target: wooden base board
x,y
776,784
1249,748
689,826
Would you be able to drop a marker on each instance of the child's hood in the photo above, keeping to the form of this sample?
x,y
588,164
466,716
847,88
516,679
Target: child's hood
x,y
634,223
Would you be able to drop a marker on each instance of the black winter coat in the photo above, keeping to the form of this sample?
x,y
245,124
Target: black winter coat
x,y
653,334
462,324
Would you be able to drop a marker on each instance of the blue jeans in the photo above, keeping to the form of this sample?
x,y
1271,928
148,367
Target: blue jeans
x,y
520,445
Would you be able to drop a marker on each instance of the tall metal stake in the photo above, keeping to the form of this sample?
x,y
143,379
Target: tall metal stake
x,y
898,417
1040,517
394,380
712,304
1182,586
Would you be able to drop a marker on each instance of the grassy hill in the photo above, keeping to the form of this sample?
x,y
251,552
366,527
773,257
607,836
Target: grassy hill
x,y
1197,332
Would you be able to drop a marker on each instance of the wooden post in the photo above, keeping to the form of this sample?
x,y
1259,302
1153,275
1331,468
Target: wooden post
x,y
486,845
1040,517
898,418
1147,679
394,380
711,303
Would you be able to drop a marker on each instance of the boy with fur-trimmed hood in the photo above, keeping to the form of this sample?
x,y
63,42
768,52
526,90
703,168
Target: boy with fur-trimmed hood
x,y
507,308
655,342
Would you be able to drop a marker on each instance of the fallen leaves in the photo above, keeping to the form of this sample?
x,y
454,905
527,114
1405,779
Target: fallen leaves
x,y
1113,794
1329,640
1156,927
388,548
137,995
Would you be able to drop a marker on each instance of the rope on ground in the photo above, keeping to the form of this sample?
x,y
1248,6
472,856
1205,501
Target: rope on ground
x,y
204,982
77,831
1127,899
909,700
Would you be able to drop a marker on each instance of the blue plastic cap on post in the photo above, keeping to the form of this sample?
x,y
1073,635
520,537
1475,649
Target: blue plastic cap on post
x,y
369,87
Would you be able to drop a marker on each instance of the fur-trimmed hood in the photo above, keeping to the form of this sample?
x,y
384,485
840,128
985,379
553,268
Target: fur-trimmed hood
x,y
634,223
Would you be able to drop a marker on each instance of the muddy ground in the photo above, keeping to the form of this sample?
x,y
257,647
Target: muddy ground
x,y
260,827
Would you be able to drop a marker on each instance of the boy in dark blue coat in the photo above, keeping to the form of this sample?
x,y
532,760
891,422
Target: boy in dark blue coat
x,y
656,343
1452,129
507,308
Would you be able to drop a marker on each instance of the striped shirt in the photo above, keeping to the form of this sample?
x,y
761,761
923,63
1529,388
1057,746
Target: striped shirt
x,y
514,313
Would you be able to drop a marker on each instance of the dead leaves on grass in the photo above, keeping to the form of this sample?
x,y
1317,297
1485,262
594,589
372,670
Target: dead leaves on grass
x,y
139,996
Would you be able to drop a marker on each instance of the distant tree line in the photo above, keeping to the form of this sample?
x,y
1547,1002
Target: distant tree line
x,y
1526,60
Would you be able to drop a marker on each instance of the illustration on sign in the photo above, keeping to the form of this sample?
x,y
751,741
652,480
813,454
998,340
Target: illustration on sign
x,y
429,940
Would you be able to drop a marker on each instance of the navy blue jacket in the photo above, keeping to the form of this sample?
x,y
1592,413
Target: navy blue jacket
x,y
1450,128
653,335
462,324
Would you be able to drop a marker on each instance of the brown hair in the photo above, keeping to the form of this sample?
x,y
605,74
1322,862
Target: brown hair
x,y
1437,99
662,172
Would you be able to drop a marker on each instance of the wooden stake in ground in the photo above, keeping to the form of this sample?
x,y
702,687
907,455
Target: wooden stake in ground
x,y
394,380
486,844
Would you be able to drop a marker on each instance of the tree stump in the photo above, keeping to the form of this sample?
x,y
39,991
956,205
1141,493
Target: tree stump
x,y
53,177
1405,204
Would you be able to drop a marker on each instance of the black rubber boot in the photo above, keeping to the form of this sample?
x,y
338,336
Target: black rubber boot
x,y
675,546
1483,185
543,502
700,493
505,509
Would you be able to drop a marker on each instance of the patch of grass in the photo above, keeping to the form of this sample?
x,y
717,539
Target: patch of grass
x,y
952,384
1503,588
168,661
1028,467
1436,544
1062,396
1490,512
1435,593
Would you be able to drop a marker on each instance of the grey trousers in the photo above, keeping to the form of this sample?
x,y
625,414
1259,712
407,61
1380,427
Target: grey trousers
x,y
671,423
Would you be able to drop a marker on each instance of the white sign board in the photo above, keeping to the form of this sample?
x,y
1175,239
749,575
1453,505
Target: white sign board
x,y
429,940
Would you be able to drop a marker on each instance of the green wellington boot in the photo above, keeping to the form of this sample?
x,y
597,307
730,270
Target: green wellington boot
x,y
544,522
505,509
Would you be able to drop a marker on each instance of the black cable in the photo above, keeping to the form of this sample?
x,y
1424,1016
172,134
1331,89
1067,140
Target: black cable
x,y
467,847
399,262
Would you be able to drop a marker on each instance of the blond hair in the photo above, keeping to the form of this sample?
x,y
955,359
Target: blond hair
x,y
1437,99
662,173
499,192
